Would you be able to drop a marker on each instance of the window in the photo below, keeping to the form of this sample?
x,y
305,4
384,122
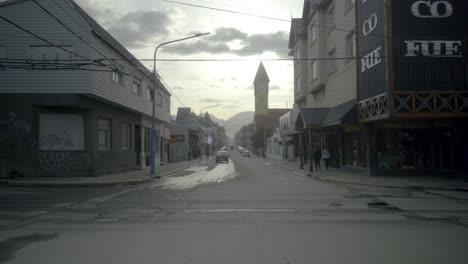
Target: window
x,y
149,94
167,105
332,62
314,32
61,132
313,70
350,47
136,88
159,99
349,4
126,135
117,77
296,54
298,84
331,23
104,134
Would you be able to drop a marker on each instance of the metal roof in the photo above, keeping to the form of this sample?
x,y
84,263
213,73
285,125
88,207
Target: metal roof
x,y
336,114
312,117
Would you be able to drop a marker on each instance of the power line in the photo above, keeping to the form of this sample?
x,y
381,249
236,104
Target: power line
x,y
68,29
233,60
267,17
40,38
172,92
81,38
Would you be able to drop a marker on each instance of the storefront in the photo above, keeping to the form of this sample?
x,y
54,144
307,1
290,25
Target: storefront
x,y
422,145
354,147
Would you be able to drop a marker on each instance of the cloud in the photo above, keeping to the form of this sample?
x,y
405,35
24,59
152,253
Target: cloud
x,y
250,87
178,88
272,42
227,35
274,87
230,106
137,27
210,100
217,43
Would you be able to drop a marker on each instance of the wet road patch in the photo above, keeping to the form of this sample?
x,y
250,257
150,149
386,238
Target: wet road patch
x,y
10,246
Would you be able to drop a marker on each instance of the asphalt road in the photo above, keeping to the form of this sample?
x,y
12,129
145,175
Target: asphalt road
x,y
245,211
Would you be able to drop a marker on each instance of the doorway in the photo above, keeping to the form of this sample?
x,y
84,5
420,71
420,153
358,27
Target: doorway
x,y
138,145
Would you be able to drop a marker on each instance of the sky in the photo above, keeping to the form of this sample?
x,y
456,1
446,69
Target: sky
x,y
140,25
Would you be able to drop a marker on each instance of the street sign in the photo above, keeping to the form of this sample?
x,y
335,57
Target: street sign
x,y
177,138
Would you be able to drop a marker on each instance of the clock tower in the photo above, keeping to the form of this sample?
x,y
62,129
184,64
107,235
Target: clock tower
x,y
261,83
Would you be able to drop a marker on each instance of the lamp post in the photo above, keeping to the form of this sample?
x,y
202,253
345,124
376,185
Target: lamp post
x,y
153,119
209,107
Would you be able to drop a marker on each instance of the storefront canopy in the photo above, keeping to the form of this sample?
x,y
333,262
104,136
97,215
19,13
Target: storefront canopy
x,y
311,117
340,114
326,117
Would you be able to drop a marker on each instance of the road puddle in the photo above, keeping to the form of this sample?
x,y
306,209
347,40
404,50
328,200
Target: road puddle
x,y
199,176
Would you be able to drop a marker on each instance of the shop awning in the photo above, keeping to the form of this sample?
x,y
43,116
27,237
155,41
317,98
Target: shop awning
x,y
340,114
311,117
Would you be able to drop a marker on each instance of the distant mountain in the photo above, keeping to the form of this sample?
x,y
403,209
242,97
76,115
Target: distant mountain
x,y
236,122
220,122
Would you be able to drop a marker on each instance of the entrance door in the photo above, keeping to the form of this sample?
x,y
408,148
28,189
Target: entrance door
x,y
138,144
445,149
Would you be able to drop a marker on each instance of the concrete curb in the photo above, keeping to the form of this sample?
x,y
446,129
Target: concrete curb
x,y
13,183
371,185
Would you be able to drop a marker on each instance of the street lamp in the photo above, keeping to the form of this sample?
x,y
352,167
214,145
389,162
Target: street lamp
x,y
153,121
209,107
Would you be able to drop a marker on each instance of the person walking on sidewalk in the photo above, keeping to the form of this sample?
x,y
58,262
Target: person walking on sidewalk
x,y
326,157
317,158
306,155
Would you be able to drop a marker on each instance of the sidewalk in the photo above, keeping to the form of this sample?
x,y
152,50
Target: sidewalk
x,y
359,177
125,178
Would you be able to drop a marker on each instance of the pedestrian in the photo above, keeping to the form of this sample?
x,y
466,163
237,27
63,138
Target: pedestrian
x,y
306,155
326,157
189,158
317,158
199,153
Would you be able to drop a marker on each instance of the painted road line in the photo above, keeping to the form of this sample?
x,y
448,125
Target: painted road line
x,y
214,211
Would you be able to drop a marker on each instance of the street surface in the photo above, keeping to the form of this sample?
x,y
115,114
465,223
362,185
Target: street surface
x,y
244,211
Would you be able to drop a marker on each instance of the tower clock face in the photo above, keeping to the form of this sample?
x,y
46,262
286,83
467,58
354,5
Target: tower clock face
x,y
263,89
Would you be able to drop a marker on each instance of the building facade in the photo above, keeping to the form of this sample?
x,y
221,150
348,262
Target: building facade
x,y
383,84
413,84
322,44
65,110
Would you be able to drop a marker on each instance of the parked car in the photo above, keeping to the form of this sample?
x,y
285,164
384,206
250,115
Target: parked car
x,y
222,156
246,153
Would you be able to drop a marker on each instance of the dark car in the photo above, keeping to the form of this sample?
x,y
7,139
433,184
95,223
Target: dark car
x,y
222,156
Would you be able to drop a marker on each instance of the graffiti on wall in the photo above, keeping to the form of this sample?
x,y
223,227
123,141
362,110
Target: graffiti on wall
x,y
61,140
11,126
61,132
62,163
